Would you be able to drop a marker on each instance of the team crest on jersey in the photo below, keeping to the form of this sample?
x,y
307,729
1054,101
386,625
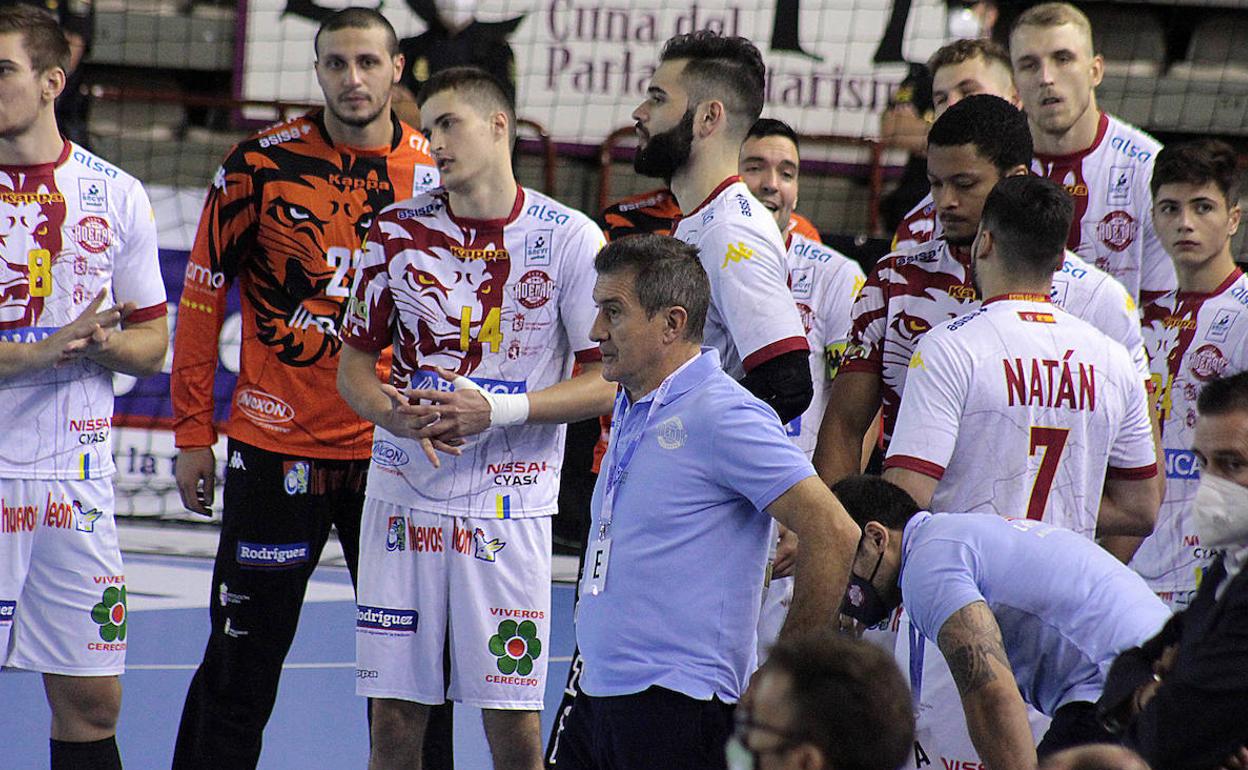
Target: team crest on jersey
x,y
93,195
1221,326
396,534
802,281
537,248
1121,181
672,434
1117,230
93,234
1208,362
534,289
486,550
424,177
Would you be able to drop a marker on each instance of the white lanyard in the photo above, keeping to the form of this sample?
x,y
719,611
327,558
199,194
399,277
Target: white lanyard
x,y
617,470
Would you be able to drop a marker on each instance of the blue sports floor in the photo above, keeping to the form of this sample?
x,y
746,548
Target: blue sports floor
x,y
318,721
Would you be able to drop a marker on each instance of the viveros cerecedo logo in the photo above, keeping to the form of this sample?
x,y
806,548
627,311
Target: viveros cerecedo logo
x,y
516,646
110,614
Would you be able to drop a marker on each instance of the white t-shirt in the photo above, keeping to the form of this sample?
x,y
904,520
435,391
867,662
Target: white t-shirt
x,y
1113,227
67,230
506,302
1191,339
824,283
752,318
914,290
1017,409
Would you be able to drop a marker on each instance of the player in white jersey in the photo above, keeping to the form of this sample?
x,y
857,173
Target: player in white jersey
x,y
702,100
77,260
1060,400
1104,163
1019,404
1193,335
823,283
959,69
489,281
975,143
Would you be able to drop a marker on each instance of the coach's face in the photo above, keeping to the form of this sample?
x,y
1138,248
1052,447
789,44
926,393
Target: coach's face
x,y
631,342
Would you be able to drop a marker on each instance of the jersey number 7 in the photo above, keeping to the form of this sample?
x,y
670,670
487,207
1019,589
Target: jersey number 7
x,y
1052,441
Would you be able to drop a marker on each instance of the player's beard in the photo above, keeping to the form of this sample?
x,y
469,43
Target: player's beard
x,y
666,152
361,121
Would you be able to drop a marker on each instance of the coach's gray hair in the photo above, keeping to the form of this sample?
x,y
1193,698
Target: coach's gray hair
x,y
666,273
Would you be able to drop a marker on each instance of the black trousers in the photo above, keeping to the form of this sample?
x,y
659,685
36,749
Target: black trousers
x,y
276,518
1074,724
656,729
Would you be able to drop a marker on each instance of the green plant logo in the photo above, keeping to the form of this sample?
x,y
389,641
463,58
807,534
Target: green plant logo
x,y
110,613
516,646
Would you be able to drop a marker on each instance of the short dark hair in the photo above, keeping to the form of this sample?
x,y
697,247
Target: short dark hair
x,y
1197,163
871,498
970,48
42,37
357,18
849,699
484,90
729,69
765,127
997,129
666,273
1029,217
1224,395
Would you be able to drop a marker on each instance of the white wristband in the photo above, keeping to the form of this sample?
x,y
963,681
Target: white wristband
x,y
505,408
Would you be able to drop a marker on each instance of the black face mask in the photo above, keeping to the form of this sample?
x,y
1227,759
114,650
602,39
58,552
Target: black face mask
x,y
862,602
666,152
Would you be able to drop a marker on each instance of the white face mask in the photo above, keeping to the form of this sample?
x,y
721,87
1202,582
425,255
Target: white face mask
x,y
456,14
1221,512
739,757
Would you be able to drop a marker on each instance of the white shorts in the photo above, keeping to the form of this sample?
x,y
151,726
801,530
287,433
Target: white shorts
x,y
62,586
488,579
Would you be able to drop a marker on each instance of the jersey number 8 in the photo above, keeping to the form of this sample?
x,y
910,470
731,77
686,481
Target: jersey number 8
x,y
39,262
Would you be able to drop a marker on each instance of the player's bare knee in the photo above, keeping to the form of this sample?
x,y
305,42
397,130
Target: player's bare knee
x,y
515,738
90,704
398,722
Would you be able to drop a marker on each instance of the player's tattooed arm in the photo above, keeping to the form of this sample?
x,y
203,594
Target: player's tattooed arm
x,y
996,717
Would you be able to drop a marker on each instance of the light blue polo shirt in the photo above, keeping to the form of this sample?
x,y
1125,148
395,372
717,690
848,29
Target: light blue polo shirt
x,y
679,608
1066,607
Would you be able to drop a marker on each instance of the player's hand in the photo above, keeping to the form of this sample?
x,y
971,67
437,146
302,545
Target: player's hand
x,y
431,447
1237,760
196,474
786,554
451,414
86,333
402,419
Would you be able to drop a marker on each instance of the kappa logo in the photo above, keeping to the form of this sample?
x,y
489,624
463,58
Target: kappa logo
x,y
93,195
537,249
486,550
236,461
737,252
672,434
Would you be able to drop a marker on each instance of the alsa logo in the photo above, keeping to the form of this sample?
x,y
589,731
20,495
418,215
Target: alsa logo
x,y
92,233
198,275
263,408
264,555
94,163
544,213
385,619
1129,148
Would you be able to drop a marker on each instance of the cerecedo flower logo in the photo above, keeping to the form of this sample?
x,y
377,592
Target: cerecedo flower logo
x,y
516,646
110,613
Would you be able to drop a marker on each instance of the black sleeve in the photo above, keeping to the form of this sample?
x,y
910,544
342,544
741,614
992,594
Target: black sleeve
x,y
783,383
1200,713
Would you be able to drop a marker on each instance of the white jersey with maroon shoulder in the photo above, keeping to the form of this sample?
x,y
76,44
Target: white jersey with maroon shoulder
x,y
67,230
507,303
1021,409
1191,339
824,283
752,318
1113,225
914,290
919,225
